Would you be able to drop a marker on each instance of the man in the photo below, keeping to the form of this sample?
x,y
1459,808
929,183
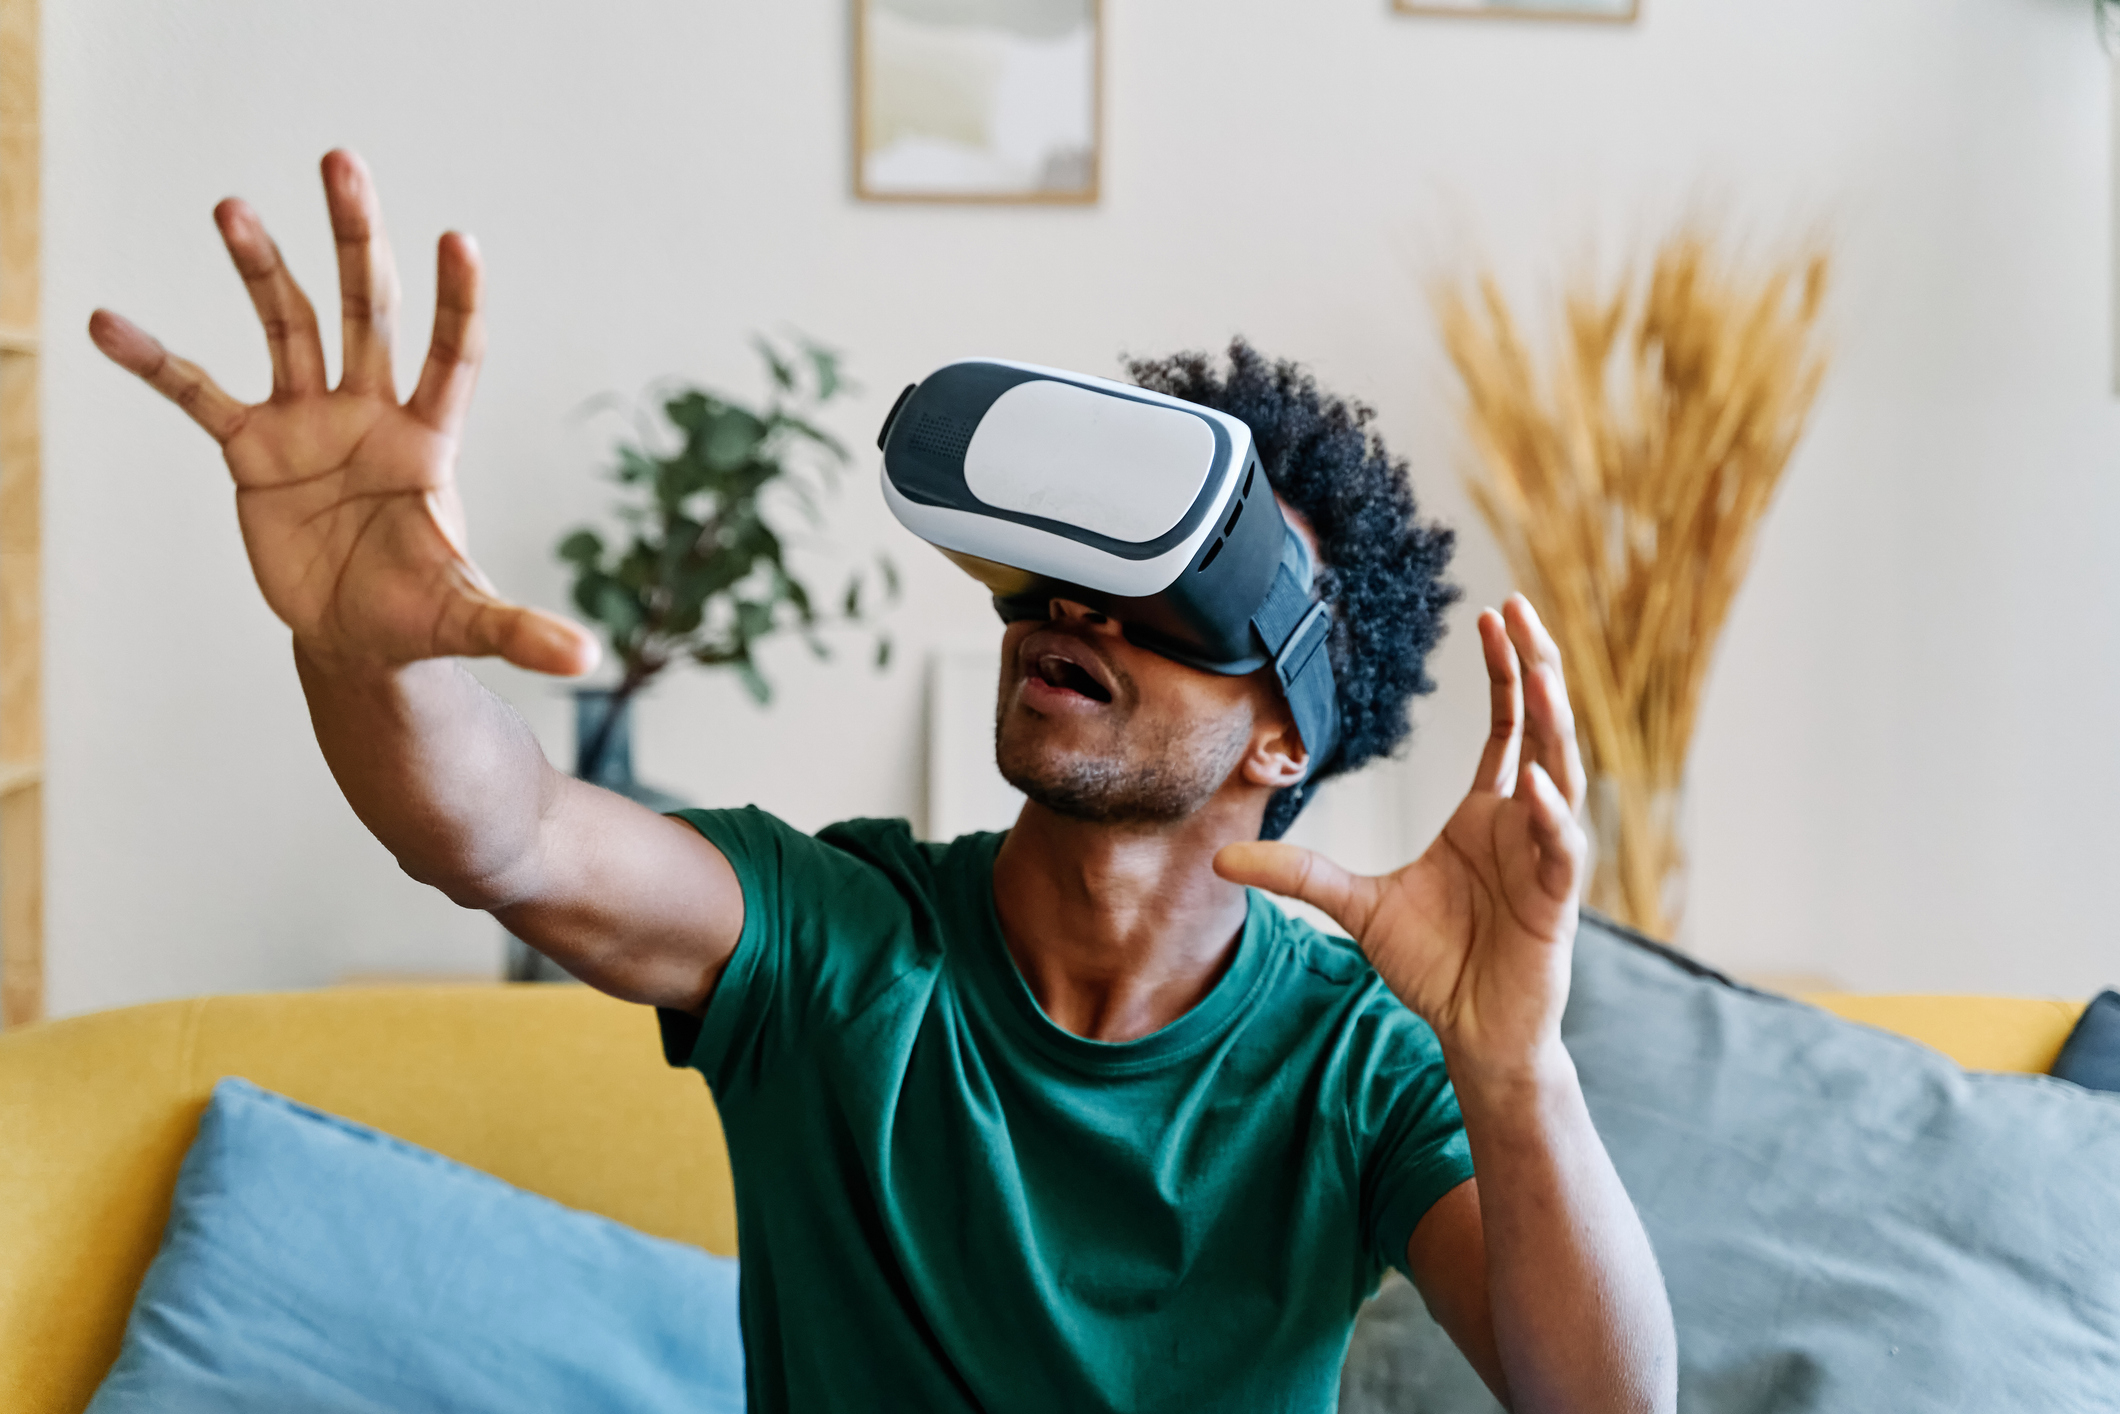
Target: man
x,y
1061,1119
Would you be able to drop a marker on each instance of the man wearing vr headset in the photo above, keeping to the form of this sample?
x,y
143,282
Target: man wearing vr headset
x,y
1067,1118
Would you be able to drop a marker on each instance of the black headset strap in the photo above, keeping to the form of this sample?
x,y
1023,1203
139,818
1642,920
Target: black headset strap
x,y
1294,628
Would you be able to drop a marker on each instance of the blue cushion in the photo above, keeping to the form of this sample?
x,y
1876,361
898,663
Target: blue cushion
x,y
318,1265
1846,1219
2091,1057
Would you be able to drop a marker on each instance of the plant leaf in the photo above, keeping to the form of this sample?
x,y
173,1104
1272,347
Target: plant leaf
x,y
783,372
582,549
825,364
617,610
753,620
802,427
730,438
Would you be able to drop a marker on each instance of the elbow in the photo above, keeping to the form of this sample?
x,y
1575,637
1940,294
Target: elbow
x,y
468,885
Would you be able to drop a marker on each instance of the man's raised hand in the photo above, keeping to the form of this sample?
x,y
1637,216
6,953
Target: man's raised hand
x,y
346,496
1474,935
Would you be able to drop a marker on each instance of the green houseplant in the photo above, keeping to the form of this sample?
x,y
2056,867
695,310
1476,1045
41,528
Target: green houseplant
x,y
699,571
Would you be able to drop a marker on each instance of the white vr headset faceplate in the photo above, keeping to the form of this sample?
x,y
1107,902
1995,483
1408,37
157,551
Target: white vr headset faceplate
x,y
1127,467
1122,468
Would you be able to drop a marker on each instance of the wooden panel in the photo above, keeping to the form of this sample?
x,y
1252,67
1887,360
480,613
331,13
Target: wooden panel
x,y
21,724
19,197
22,905
20,454
21,566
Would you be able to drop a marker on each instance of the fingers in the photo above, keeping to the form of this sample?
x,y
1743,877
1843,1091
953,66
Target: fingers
x,y
1549,719
444,394
1497,772
290,323
1295,872
368,284
1554,862
179,380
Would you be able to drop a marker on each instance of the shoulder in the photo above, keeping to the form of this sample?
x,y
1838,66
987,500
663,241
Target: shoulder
x,y
852,865
888,846
763,838
1327,964
1371,1028
1335,960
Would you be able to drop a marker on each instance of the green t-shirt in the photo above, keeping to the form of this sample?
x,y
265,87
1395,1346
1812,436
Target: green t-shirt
x,y
947,1203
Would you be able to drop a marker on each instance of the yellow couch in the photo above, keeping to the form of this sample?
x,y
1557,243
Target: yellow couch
x,y
555,1089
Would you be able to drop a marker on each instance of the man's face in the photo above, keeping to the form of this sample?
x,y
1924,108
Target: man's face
x,y
1094,728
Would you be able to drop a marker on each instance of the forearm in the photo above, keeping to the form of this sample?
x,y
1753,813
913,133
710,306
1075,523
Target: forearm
x,y
1581,1319
442,772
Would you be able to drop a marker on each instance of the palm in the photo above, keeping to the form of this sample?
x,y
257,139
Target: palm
x,y
1466,935
346,496
1474,935
340,500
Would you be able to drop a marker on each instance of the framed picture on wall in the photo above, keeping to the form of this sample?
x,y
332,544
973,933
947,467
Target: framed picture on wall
x,y
1610,11
977,100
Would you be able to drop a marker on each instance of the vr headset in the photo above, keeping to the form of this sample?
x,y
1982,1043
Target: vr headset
x,y
1047,485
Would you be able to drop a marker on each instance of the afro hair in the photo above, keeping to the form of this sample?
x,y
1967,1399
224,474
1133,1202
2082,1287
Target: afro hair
x,y
1381,567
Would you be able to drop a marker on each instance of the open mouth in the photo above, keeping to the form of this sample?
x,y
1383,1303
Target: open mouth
x,y
1069,676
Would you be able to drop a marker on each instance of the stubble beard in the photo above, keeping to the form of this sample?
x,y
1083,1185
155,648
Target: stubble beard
x,y
1153,779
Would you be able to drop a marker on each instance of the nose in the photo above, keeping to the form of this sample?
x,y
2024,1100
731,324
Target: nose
x,y
1076,615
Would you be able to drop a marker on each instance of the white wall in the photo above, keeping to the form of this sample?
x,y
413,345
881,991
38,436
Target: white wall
x,y
1907,772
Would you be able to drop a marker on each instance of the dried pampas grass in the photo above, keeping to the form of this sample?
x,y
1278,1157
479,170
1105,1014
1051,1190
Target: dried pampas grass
x,y
1626,486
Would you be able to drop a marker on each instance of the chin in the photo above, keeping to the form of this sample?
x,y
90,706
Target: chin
x,y
1034,755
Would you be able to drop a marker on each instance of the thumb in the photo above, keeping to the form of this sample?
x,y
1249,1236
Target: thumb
x,y
532,639
1295,872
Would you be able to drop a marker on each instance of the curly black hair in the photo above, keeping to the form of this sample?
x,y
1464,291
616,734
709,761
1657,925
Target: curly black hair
x,y
1379,564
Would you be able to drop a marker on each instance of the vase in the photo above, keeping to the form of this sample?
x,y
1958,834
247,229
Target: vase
x,y
603,748
603,756
1638,873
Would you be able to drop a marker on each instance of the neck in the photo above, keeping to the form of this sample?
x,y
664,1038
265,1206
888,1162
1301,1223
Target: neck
x,y
1118,929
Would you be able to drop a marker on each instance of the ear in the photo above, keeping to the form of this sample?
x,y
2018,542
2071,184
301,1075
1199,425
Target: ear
x,y
1276,757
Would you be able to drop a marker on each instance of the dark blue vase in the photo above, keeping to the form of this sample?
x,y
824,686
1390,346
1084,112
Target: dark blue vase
x,y
603,755
603,748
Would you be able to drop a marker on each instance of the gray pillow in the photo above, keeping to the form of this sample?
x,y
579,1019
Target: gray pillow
x,y
1846,1219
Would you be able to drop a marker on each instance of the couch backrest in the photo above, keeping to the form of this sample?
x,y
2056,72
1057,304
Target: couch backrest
x,y
2022,1035
555,1089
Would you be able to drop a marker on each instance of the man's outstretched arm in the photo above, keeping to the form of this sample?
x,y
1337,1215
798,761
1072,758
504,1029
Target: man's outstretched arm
x,y
455,785
1539,1269
348,505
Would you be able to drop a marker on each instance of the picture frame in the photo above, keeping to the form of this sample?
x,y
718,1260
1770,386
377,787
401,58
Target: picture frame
x,y
985,102
1610,12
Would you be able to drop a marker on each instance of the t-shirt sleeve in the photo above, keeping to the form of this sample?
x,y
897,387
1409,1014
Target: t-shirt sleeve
x,y
1417,1147
819,924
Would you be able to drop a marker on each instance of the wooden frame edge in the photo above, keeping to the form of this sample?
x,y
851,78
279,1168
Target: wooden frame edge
x,y
1467,12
